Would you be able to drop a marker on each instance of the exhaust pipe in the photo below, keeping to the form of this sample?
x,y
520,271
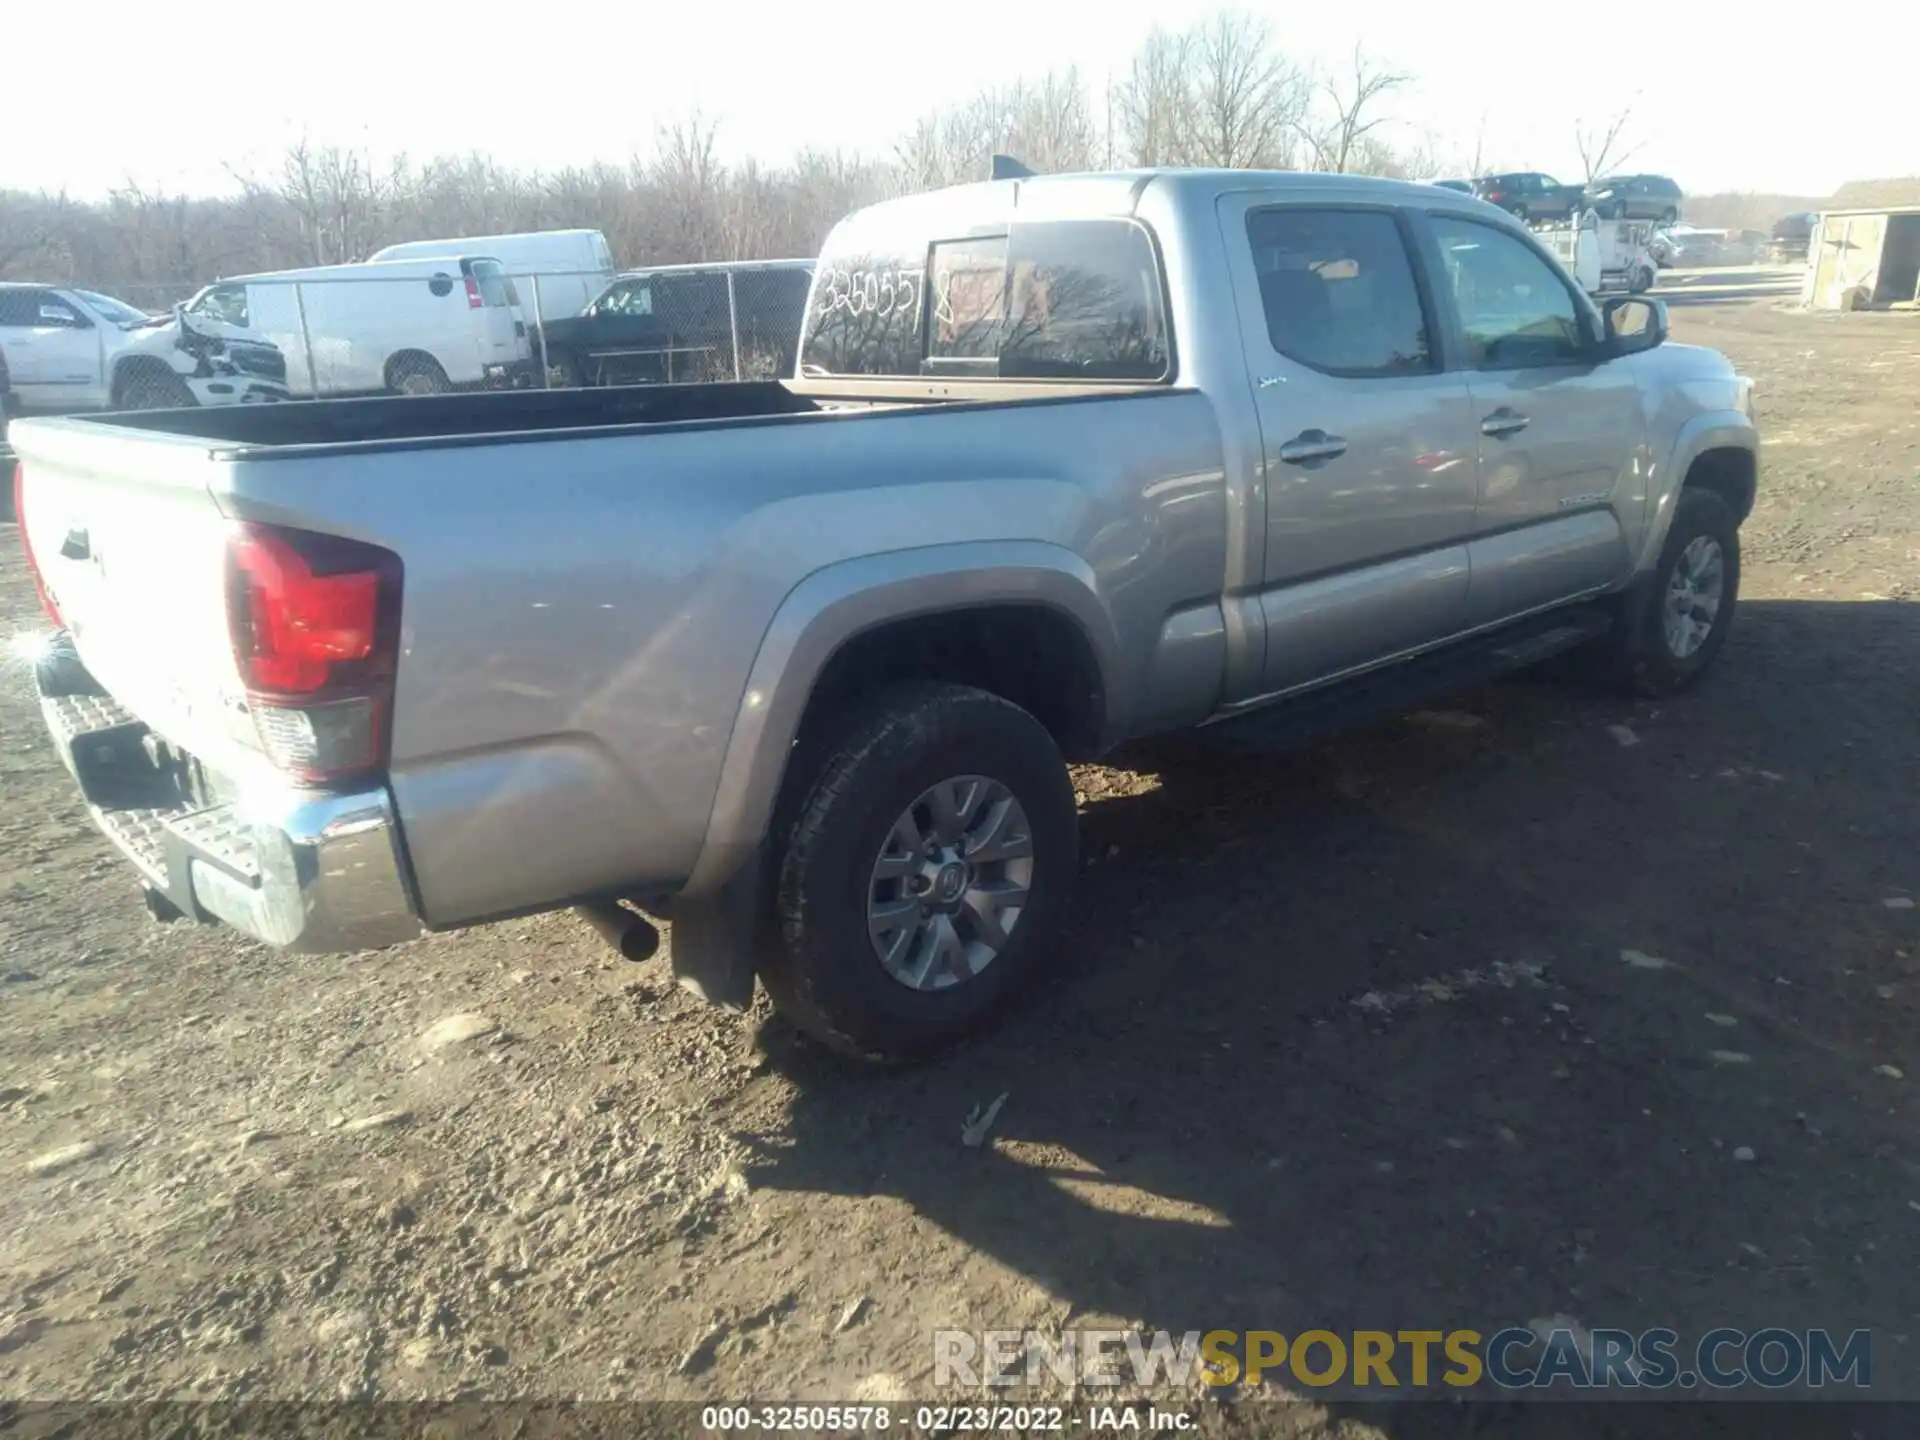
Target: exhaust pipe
x,y
634,936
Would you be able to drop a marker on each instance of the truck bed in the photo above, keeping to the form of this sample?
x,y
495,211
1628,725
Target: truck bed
x,y
482,415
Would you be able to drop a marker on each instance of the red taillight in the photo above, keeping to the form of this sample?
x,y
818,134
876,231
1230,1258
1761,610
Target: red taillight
x,y
474,300
26,544
315,626
1496,194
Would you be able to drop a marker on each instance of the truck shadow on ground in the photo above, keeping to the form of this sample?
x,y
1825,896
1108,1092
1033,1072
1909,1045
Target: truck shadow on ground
x,y
1345,1039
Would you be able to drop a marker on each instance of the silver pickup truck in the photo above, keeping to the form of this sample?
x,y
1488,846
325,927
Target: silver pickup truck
x,y
798,667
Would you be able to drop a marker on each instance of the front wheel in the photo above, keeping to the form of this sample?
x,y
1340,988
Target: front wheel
x,y
931,860
1688,607
151,388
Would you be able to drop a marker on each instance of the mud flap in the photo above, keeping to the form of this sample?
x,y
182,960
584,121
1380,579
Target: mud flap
x,y
716,938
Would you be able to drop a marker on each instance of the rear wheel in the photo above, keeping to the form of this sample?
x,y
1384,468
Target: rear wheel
x,y
1669,215
1641,280
416,374
931,859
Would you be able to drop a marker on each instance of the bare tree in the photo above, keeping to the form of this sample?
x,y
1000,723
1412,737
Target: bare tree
x,y
1247,98
1048,124
1349,115
1603,147
1154,103
1218,93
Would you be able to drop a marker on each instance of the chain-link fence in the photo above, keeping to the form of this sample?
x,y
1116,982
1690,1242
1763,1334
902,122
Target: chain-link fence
x,y
432,326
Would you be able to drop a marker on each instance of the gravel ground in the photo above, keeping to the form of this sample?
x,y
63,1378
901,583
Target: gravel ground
x,y
1541,1003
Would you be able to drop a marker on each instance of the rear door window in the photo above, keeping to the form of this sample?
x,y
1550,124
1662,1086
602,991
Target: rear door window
x,y
20,309
496,289
1338,290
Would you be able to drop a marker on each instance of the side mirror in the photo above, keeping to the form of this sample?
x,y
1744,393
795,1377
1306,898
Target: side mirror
x,y
1634,323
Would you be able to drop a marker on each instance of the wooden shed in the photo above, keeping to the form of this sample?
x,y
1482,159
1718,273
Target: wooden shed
x,y
1865,252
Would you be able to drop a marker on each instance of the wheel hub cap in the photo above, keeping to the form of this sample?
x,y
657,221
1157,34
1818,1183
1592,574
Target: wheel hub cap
x,y
1694,592
950,883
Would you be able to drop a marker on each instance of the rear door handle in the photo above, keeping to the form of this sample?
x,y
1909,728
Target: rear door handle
x,y
1503,422
1310,446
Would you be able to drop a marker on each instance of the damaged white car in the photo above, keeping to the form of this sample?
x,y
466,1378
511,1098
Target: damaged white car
x,y
68,349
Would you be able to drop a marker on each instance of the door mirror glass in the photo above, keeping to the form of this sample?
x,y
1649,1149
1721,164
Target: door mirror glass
x,y
1634,324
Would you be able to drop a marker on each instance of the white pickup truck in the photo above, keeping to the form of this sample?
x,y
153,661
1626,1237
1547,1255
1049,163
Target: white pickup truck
x,y
69,349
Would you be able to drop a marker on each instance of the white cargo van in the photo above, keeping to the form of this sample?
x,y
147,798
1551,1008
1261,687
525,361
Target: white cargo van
x,y
406,327
572,266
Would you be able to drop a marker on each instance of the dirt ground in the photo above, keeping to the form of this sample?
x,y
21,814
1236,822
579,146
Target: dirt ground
x,y
1341,1039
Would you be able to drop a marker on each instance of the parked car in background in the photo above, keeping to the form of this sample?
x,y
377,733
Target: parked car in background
x,y
1792,236
403,327
1067,461
685,322
571,266
1636,197
1529,195
68,349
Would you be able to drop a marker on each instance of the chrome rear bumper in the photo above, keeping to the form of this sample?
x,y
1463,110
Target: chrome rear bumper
x,y
308,871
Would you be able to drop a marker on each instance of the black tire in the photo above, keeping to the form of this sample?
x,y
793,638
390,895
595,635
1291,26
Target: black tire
x,y
1619,210
1520,214
1641,658
822,969
151,388
1640,281
1669,215
412,373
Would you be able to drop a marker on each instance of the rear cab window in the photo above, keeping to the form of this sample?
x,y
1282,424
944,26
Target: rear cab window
x,y
1047,299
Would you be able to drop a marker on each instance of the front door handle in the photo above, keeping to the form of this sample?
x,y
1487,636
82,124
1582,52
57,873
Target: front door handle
x,y
1503,422
1310,446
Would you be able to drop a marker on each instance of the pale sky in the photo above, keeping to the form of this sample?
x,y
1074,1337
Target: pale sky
x,y
175,98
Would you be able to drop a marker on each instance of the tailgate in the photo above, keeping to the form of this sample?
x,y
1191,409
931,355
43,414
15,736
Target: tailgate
x,y
130,544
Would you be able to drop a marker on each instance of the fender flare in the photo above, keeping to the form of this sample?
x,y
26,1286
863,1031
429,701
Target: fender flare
x,y
835,604
1709,430
720,917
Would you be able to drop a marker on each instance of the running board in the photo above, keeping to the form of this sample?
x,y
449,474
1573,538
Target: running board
x,y
1408,684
